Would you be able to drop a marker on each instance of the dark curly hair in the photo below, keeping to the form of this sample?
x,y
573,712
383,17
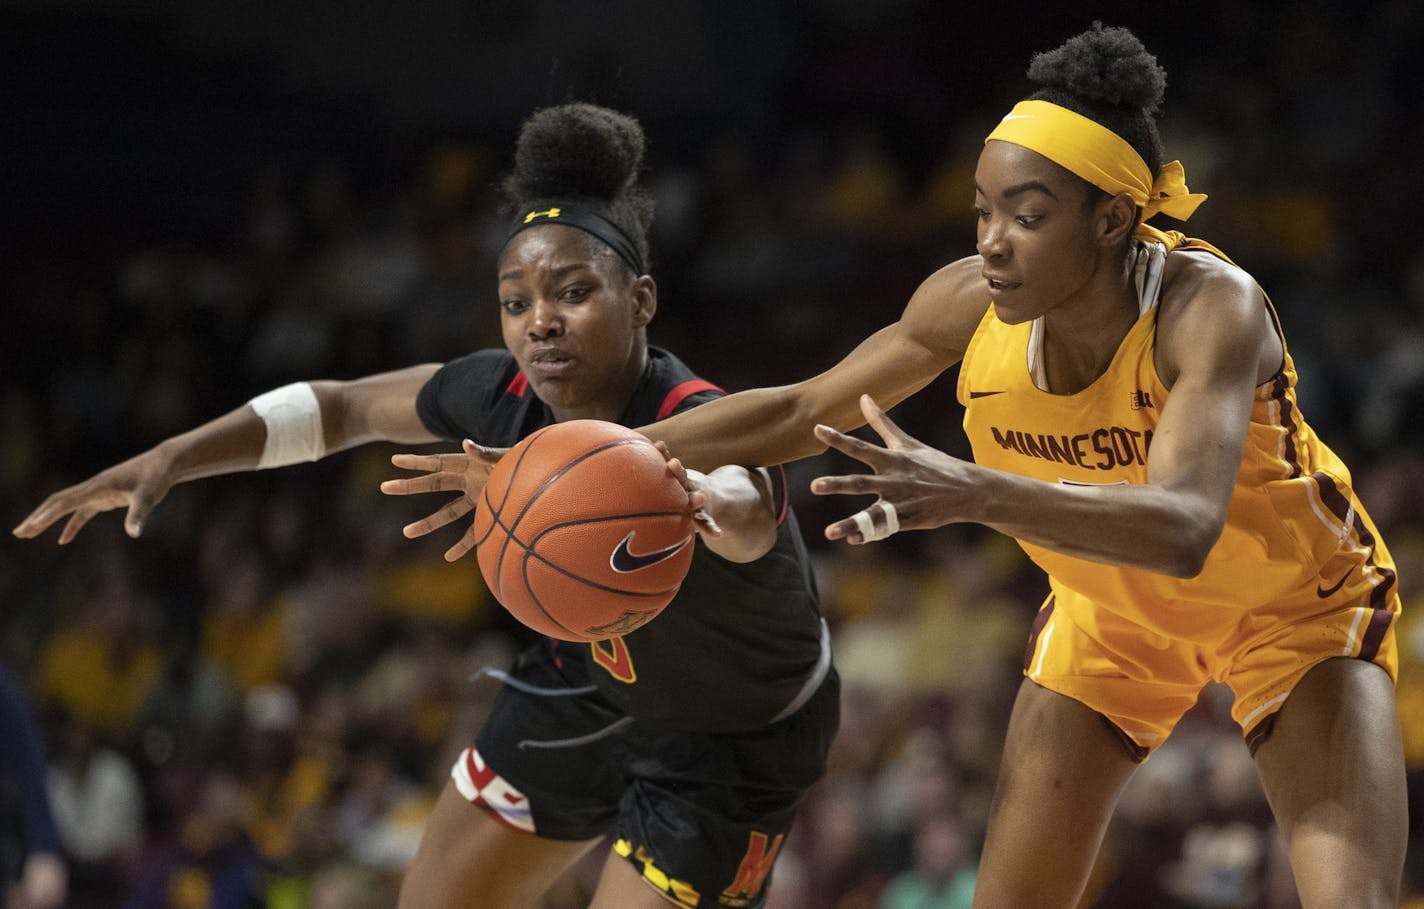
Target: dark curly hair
x,y
586,155
1106,75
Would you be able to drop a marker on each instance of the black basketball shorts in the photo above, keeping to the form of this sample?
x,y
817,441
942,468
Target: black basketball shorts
x,y
701,816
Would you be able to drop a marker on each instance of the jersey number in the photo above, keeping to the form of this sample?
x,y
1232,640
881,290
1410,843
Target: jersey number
x,y
613,655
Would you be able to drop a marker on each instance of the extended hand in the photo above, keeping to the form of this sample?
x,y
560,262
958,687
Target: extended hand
x,y
138,484
465,472
915,481
693,482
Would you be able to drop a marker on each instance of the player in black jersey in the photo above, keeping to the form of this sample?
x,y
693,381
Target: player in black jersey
x,y
692,739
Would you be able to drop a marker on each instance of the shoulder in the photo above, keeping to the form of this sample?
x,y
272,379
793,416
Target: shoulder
x,y
461,391
1197,284
1210,305
474,371
1194,273
948,306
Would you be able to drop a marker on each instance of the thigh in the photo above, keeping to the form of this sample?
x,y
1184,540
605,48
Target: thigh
x,y
468,859
620,886
1333,769
1063,768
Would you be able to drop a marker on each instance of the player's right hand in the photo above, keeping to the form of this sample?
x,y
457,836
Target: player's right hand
x,y
138,484
466,471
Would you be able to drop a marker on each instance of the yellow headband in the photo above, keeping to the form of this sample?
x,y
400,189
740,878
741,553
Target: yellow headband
x,y
1098,155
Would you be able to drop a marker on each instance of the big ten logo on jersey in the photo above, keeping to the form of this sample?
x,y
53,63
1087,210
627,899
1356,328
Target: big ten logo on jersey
x,y
680,892
751,874
613,656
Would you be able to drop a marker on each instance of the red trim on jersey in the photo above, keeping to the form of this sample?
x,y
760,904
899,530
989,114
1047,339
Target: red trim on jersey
x,y
778,489
682,393
518,385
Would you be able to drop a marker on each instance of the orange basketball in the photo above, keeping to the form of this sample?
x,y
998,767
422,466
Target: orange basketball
x,y
582,533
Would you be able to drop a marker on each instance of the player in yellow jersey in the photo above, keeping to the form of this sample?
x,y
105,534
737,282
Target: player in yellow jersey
x,y
1131,407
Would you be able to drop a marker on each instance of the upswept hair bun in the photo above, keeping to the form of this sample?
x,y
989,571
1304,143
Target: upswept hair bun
x,y
586,154
1106,74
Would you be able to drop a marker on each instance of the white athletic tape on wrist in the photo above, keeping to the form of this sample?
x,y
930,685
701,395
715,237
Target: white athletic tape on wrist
x,y
293,417
866,525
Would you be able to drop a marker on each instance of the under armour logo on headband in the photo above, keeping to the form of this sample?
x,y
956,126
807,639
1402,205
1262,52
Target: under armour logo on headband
x,y
590,222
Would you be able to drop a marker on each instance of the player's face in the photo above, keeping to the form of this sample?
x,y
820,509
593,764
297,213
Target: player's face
x,y
574,319
1035,233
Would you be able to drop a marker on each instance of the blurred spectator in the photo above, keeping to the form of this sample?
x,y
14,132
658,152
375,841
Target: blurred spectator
x,y
210,864
942,876
381,814
99,805
104,666
833,848
33,869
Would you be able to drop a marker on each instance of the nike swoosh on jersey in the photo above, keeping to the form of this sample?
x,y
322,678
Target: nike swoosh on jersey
x,y
1325,593
983,394
624,560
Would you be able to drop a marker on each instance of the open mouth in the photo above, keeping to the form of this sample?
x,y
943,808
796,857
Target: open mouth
x,y
998,285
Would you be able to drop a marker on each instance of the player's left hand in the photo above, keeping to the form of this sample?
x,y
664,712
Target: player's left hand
x,y
465,471
916,484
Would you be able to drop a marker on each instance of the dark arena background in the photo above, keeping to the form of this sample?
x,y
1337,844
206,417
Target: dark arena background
x,y
256,703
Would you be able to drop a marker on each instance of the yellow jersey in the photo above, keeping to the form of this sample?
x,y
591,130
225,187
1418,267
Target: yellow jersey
x,y
1296,539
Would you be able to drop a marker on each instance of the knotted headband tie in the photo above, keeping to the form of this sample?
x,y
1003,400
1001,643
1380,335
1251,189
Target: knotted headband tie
x,y
1100,156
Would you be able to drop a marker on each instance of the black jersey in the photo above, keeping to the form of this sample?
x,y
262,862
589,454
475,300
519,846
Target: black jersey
x,y
740,642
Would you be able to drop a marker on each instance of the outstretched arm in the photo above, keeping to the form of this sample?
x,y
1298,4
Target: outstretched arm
x,y
1216,344
762,426
346,414
774,425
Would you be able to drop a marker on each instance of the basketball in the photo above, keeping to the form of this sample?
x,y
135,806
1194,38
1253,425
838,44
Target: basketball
x,y
582,532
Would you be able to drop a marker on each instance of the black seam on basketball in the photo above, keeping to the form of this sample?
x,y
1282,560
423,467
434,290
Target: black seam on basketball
x,y
497,515
494,516
534,497
533,598
528,445
530,554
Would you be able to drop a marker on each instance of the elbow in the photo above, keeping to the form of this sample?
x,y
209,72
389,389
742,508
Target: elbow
x,y
1192,545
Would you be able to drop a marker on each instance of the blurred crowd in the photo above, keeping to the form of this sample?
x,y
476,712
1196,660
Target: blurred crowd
x,y
256,703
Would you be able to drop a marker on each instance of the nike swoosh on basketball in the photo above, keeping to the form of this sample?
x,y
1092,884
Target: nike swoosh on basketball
x,y
983,394
624,560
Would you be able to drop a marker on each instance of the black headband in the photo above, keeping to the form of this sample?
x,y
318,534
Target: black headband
x,y
590,222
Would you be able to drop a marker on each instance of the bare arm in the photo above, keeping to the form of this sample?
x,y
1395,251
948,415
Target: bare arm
x,y
1215,343
379,407
773,425
762,426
